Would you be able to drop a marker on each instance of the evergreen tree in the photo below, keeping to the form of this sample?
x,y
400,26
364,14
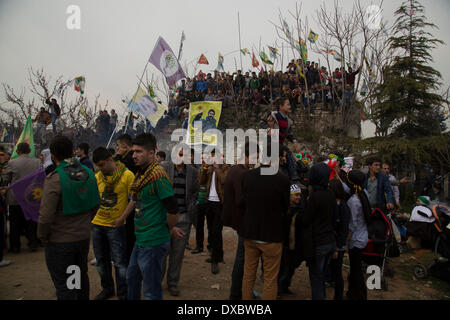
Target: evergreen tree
x,y
408,103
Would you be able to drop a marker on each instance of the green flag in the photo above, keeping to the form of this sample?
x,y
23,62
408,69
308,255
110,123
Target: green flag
x,y
26,136
264,58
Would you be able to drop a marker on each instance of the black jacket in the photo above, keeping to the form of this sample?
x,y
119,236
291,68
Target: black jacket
x,y
128,162
233,199
321,208
266,202
341,222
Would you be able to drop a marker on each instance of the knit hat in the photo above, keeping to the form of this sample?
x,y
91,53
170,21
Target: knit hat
x,y
424,200
295,189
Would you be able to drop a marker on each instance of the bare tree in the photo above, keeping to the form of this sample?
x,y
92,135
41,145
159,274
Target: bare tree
x,y
74,113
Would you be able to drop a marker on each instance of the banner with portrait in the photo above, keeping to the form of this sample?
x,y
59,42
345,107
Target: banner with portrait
x,y
203,116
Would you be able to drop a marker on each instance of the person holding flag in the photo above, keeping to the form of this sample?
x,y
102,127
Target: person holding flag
x,y
55,111
18,168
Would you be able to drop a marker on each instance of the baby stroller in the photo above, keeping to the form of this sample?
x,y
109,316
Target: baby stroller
x,y
432,227
380,239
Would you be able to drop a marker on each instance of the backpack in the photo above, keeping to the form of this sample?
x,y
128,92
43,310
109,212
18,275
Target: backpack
x,y
57,110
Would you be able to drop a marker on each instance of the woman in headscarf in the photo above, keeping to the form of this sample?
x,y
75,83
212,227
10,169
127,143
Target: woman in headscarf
x,y
360,213
47,162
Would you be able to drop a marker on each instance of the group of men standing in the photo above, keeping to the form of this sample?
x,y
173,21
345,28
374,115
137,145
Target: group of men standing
x,y
140,212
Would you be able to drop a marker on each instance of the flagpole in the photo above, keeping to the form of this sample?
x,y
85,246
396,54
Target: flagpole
x,y
112,135
139,83
240,46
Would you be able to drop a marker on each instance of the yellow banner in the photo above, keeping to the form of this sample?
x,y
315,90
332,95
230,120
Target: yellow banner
x,y
154,117
206,113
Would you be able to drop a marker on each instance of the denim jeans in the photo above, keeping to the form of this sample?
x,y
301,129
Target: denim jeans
x,y
175,253
317,269
59,256
110,243
238,271
215,226
17,223
286,272
357,289
200,226
54,122
146,266
336,275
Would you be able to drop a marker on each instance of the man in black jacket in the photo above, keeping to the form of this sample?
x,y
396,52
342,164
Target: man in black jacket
x,y
233,215
319,218
55,111
266,201
82,153
125,155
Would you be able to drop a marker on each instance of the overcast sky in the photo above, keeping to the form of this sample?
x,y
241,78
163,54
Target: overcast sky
x,y
116,37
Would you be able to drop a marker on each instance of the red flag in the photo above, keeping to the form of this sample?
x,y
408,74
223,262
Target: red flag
x,y
262,70
255,62
202,60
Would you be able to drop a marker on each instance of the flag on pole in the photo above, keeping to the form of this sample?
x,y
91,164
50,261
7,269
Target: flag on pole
x,y
299,69
273,52
142,103
255,62
336,56
28,193
245,51
301,46
220,62
26,136
264,58
312,37
183,37
164,60
202,60
154,117
79,83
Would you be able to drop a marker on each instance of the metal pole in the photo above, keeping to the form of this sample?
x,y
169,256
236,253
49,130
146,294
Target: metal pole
x,y
139,83
240,46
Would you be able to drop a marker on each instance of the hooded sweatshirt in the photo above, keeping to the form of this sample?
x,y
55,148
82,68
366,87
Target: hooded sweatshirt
x,y
321,207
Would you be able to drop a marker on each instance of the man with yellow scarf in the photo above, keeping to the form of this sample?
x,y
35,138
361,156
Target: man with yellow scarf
x,y
114,182
156,215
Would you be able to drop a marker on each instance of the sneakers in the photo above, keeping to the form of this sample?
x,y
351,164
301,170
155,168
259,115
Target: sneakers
x,y
5,263
93,262
104,295
197,250
174,291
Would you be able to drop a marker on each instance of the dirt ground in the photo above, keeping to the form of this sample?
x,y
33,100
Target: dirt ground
x,y
27,278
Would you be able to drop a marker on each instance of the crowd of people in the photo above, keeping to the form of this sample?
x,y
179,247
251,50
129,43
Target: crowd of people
x,y
138,208
315,85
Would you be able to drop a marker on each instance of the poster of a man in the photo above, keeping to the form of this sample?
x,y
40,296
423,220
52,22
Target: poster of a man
x,y
209,120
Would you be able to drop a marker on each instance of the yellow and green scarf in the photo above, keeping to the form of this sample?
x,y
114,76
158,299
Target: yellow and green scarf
x,y
151,174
